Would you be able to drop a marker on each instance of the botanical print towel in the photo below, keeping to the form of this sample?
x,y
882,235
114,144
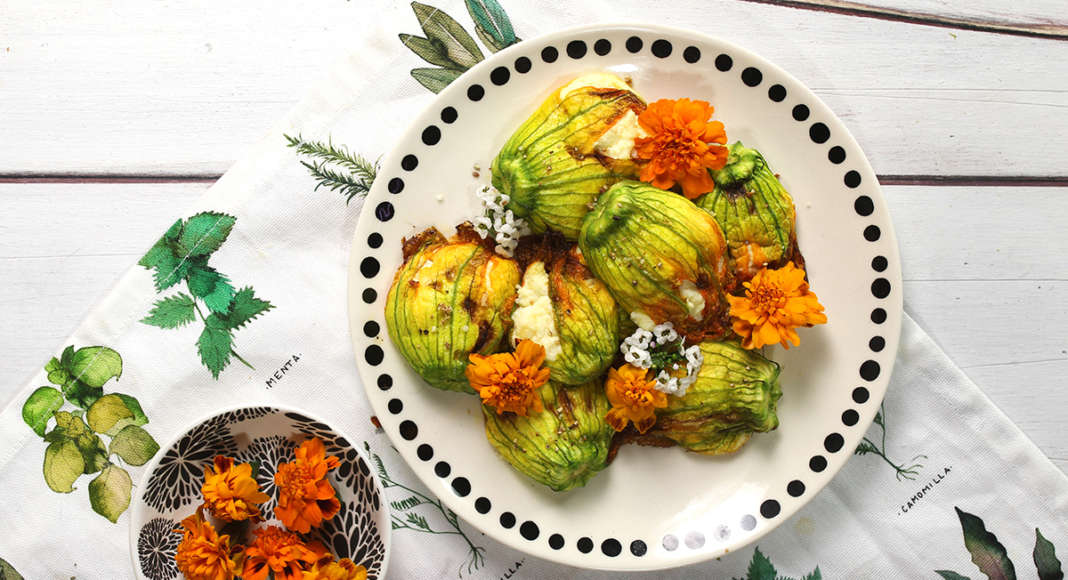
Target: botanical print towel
x,y
242,301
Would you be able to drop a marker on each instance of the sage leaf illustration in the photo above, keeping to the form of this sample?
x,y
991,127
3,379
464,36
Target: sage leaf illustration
x,y
172,312
38,409
1049,567
109,493
209,285
205,233
435,79
215,344
96,365
948,575
987,553
57,370
7,572
246,307
134,445
63,464
438,26
492,25
431,51
107,411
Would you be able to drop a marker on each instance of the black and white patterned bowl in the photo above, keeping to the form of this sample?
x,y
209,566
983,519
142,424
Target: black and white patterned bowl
x,y
652,508
269,435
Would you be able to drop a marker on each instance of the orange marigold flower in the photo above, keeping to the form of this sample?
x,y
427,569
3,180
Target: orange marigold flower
x,y
775,303
510,381
343,569
633,398
281,552
203,554
230,492
682,145
305,496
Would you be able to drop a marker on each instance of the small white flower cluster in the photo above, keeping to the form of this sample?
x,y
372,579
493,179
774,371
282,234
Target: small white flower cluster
x,y
499,221
637,350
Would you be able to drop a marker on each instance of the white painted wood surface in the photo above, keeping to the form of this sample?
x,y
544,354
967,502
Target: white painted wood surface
x,y
162,89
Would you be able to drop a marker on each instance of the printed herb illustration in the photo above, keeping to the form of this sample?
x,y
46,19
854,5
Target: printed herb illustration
x,y
761,568
449,47
335,167
867,446
182,254
991,558
75,447
7,572
405,515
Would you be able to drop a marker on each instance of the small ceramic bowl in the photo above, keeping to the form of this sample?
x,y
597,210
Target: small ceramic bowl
x,y
268,435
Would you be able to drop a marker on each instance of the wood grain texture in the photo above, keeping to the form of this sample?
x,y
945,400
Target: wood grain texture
x,y
185,94
983,268
1038,18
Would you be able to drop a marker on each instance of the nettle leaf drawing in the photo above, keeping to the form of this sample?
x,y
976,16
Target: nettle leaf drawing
x,y
990,556
7,572
761,568
182,254
449,47
335,167
75,446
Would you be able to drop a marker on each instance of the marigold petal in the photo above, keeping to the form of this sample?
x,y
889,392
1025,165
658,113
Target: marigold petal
x,y
645,423
616,419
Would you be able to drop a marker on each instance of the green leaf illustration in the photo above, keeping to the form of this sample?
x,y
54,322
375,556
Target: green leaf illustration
x,y
205,233
214,344
435,79
109,493
172,312
81,394
438,26
760,568
405,504
107,411
815,575
7,572
1049,567
134,445
492,25
67,358
57,370
987,553
38,409
96,365
168,266
137,418
70,426
949,575
210,286
431,51
245,308
63,464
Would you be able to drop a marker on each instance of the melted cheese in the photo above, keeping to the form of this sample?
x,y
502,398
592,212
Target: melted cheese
x,y
642,320
618,141
695,302
533,317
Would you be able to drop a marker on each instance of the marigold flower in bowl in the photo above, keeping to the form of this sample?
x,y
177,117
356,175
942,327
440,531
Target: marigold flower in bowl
x,y
634,398
305,496
683,144
279,552
203,554
510,381
342,569
230,492
775,303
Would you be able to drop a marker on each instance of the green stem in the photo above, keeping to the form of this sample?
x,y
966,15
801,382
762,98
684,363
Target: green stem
x,y
238,357
202,319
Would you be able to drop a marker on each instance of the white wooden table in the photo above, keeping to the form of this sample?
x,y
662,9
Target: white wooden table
x,y
114,116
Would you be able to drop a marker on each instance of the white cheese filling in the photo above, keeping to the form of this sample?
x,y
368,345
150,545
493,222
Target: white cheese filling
x,y
533,318
642,320
618,141
695,302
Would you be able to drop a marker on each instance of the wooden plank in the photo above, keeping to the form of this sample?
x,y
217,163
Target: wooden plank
x,y
185,94
1037,18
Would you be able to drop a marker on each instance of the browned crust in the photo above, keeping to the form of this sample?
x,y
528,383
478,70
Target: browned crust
x,y
411,246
